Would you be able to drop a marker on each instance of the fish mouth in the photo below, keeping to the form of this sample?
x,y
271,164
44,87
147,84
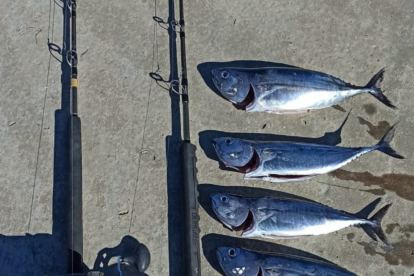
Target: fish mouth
x,y
246,225
250,166
248,102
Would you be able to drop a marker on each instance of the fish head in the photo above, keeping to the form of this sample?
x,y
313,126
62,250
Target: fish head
x,y
232,211
236,261
234,85
236,154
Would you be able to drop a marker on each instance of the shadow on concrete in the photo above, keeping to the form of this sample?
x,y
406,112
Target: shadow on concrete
x,y
212,241
205,190
206,137
205,70
47,254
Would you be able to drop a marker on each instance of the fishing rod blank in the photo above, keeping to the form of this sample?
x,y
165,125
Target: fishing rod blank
x,y
189,172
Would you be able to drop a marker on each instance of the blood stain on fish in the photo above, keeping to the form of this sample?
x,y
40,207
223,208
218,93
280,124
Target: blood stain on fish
x,y
375,131
401,184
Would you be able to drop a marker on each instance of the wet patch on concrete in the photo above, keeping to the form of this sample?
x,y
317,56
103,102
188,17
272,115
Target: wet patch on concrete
x,y
338,107
401,184
350,237
405,229
375,131
401,254
378,192
370,109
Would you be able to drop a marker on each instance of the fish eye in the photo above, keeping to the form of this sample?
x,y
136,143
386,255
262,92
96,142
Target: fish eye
x,y
225,74
224,199
232,252
228,141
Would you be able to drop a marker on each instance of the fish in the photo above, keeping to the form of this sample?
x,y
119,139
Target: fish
x,y
289,90
283,218
242,262
288,162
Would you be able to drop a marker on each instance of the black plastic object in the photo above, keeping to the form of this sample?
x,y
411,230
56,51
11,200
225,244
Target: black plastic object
x,y
191,218
140,259
75,225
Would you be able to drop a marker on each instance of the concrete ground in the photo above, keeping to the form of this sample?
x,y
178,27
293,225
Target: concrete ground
x,y
131,124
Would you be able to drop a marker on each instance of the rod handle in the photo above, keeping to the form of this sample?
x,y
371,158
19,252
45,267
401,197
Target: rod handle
x,y
191,217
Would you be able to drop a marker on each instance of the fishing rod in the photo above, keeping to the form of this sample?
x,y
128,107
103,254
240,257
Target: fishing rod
x,y
189,171
140,259
75,225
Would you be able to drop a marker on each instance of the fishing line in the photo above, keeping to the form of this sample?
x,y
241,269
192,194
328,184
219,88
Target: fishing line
x,y
145,124
50,31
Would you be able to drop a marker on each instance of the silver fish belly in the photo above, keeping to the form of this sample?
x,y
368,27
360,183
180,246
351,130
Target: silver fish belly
x,y
286,162
283,99
290,219
292,90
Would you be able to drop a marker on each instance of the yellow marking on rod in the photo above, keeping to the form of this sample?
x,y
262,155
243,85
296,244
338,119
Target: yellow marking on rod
x,y
74,83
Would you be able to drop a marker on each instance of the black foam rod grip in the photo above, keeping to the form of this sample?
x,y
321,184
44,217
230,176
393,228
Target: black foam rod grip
x,y
191,218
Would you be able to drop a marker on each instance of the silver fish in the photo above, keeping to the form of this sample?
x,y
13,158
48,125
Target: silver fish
x,y
287,218
287,162
287,90
240,262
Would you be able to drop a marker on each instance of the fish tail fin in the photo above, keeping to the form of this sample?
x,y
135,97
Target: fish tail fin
x,y
364,213
374,87
375,223
384,144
